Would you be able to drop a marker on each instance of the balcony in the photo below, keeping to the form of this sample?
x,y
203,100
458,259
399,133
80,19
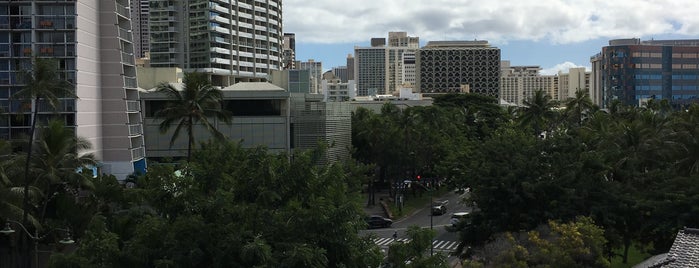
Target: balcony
x,y
125,34
138,153
135,130
133,106
127,58
130,82
122,10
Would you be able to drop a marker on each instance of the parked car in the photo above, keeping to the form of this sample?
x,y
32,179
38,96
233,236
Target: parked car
x,y
376,221
439,207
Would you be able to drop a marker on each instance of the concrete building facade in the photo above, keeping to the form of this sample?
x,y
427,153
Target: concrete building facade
x,y
289,51
315,68
379,69
575,79
141,29
336,90
231,41
519,83
91,42
458,66
632,71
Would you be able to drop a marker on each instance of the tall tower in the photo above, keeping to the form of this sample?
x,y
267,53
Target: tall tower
x,y
240,40
98,59
141,32
289,51
379,69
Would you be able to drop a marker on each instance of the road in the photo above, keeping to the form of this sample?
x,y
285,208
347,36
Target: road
x,y
444,241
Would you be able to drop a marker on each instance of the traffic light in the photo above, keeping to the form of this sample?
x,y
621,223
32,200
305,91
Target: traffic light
x,y
418,177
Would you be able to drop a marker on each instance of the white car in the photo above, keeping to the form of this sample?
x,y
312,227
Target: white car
x,y
456,217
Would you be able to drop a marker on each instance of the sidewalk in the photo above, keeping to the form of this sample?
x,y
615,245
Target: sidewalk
x,y
377,209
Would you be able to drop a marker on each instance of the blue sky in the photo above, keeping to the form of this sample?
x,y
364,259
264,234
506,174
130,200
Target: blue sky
x,y
554,34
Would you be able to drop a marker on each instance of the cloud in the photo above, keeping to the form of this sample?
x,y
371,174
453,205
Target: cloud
x,y
559,21
562,67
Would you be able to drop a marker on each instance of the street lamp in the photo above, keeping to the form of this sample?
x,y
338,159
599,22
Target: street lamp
x,y
65,240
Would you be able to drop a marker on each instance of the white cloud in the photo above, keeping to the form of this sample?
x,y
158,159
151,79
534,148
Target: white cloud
x,y
560,21
562,67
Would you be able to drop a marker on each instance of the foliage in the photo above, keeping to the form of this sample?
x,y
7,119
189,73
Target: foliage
x,y
416,252
234,207
195,103
575,244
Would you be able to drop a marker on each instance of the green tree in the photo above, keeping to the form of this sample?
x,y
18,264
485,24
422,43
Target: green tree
x,y
195,103
416,252
538,112
43,84
574,244
579,105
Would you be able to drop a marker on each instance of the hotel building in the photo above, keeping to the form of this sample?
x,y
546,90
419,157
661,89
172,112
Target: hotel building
x,y
91,42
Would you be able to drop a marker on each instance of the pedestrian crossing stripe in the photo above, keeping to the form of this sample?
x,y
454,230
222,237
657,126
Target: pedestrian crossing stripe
x,y
436,244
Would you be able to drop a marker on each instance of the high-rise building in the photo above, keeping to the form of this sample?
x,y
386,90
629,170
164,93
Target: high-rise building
x,y
633,71
316,70
231,41
341,73
458,66
289,51
519,83
92,44
350,67
575,79
378,70
139,22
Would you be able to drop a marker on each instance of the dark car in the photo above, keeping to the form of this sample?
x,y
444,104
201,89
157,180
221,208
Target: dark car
x,y
375,221
439,207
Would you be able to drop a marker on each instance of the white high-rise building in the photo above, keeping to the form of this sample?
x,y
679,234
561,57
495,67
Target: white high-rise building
x,y
139,22
519,83
92,43
576,79
379,69
316,70
231,41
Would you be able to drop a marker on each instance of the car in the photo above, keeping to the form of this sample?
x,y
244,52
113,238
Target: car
x,y
439,207
376,221
457,217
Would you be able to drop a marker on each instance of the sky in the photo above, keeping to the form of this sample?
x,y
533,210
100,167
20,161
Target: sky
x,y
553,34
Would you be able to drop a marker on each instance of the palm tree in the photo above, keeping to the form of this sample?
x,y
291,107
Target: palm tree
x,y
42,82
195,103
579,104
538,111
58,156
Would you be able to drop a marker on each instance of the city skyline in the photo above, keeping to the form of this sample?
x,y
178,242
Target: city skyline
x,y
553,34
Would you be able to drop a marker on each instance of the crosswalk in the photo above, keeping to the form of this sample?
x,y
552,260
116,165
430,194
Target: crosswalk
x,y
384,242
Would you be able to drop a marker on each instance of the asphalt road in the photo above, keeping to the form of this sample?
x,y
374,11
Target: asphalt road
x,y
444,241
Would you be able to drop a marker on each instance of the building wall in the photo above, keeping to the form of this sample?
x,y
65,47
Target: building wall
x,y
448,66
519,83
370,70
240,41
92,44
315,69
633,71
575,79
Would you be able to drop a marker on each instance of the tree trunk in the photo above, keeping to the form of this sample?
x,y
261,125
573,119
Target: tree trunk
x,y
190,140
30,147
627,244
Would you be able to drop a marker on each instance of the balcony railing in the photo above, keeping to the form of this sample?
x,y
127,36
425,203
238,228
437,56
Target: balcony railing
x,y
127,58
138,153
135,130
133,106
125,34
130,82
